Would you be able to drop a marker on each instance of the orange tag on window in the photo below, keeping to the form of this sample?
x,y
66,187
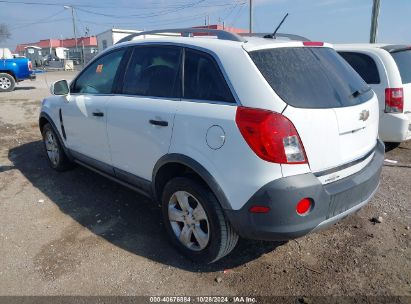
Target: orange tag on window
x,y
99,68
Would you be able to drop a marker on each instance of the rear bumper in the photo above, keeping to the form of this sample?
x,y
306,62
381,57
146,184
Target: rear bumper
x,y
395,127
332,202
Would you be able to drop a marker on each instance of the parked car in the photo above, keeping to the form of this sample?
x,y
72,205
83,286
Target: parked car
x,y
252,137
13,70
47,59
387,69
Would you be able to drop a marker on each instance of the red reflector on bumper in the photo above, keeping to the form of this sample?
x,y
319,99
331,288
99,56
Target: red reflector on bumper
x,y
304,206
259,209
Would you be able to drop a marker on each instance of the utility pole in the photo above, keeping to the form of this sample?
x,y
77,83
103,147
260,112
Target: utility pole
x,y
74,23
374,21
251,17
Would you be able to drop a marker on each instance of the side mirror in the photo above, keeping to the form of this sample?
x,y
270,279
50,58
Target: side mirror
x,y
60,88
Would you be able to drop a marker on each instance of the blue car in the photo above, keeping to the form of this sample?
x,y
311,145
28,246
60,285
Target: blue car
x,y
14,70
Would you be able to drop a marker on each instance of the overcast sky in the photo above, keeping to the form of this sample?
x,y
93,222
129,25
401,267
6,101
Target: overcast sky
x,y
324,20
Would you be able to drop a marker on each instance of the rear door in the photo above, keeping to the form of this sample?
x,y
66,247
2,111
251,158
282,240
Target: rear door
x,y
334,111
403,60
140,119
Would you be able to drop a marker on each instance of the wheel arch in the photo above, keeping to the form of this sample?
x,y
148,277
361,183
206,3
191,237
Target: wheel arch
x,y
11,73
44,119
173,165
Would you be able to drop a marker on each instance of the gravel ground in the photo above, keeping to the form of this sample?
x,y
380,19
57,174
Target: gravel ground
x,y
77,233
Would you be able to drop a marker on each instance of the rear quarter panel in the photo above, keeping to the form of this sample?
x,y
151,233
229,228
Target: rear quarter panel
x,y
235,167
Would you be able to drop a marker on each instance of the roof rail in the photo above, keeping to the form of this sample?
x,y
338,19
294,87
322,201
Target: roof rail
x,y
282,35
188,32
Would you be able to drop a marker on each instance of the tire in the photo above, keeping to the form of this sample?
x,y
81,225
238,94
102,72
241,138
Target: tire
x,y
7,82
391,146
207,238
58,159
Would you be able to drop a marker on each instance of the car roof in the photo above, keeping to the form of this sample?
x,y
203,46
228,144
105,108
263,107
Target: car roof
x,y
214,44
391,48
212,39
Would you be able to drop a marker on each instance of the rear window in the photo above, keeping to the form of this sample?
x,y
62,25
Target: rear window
x,y
364,65
311,77
403,60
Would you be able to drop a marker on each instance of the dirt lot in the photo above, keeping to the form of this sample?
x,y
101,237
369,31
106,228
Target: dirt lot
x,y
77,233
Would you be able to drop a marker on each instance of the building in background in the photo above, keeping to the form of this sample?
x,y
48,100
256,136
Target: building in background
x,y
111,37
86,48
223,27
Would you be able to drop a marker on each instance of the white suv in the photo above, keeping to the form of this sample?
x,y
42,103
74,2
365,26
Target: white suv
x,y
258,138
387,69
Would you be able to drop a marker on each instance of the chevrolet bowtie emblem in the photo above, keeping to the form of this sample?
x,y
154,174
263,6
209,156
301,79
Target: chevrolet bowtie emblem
x,y
364,115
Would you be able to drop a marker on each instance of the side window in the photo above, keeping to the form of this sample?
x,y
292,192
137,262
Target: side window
x,y
364,65
203,79
98,78
153,71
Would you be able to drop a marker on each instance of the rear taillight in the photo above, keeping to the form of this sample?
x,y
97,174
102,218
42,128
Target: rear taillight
x,y
271,136
30,66
394,100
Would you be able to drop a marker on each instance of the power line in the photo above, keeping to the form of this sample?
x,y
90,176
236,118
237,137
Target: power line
x,y
42,20
234,20
135,19
175,20
151,6
144,15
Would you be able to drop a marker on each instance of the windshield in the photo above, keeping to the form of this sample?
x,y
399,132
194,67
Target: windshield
x,y
403,60
311,77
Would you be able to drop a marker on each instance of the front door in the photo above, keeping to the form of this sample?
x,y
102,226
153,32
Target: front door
x,y
84,115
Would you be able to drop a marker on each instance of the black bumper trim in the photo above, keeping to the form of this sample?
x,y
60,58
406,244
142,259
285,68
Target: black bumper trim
x,y
331,202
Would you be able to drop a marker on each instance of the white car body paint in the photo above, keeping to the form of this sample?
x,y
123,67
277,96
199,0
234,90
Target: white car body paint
x,y
393,127
125,139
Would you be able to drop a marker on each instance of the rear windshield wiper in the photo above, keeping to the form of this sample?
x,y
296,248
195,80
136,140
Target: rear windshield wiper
x,y
357,93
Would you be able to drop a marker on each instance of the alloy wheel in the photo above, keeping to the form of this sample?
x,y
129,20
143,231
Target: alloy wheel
x,y
5,83
52,147
189,221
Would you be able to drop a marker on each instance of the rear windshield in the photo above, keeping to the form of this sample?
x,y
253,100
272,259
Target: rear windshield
x,y
364,65
311,77
403,60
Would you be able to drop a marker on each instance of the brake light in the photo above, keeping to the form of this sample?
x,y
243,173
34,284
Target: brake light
x,y
394,100
271,136
313,43
30,66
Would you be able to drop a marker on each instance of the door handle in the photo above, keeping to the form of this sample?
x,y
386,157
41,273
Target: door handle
x,y
161,123
98,114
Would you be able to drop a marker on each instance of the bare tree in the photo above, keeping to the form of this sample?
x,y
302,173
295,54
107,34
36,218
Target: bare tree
x,y
4,32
